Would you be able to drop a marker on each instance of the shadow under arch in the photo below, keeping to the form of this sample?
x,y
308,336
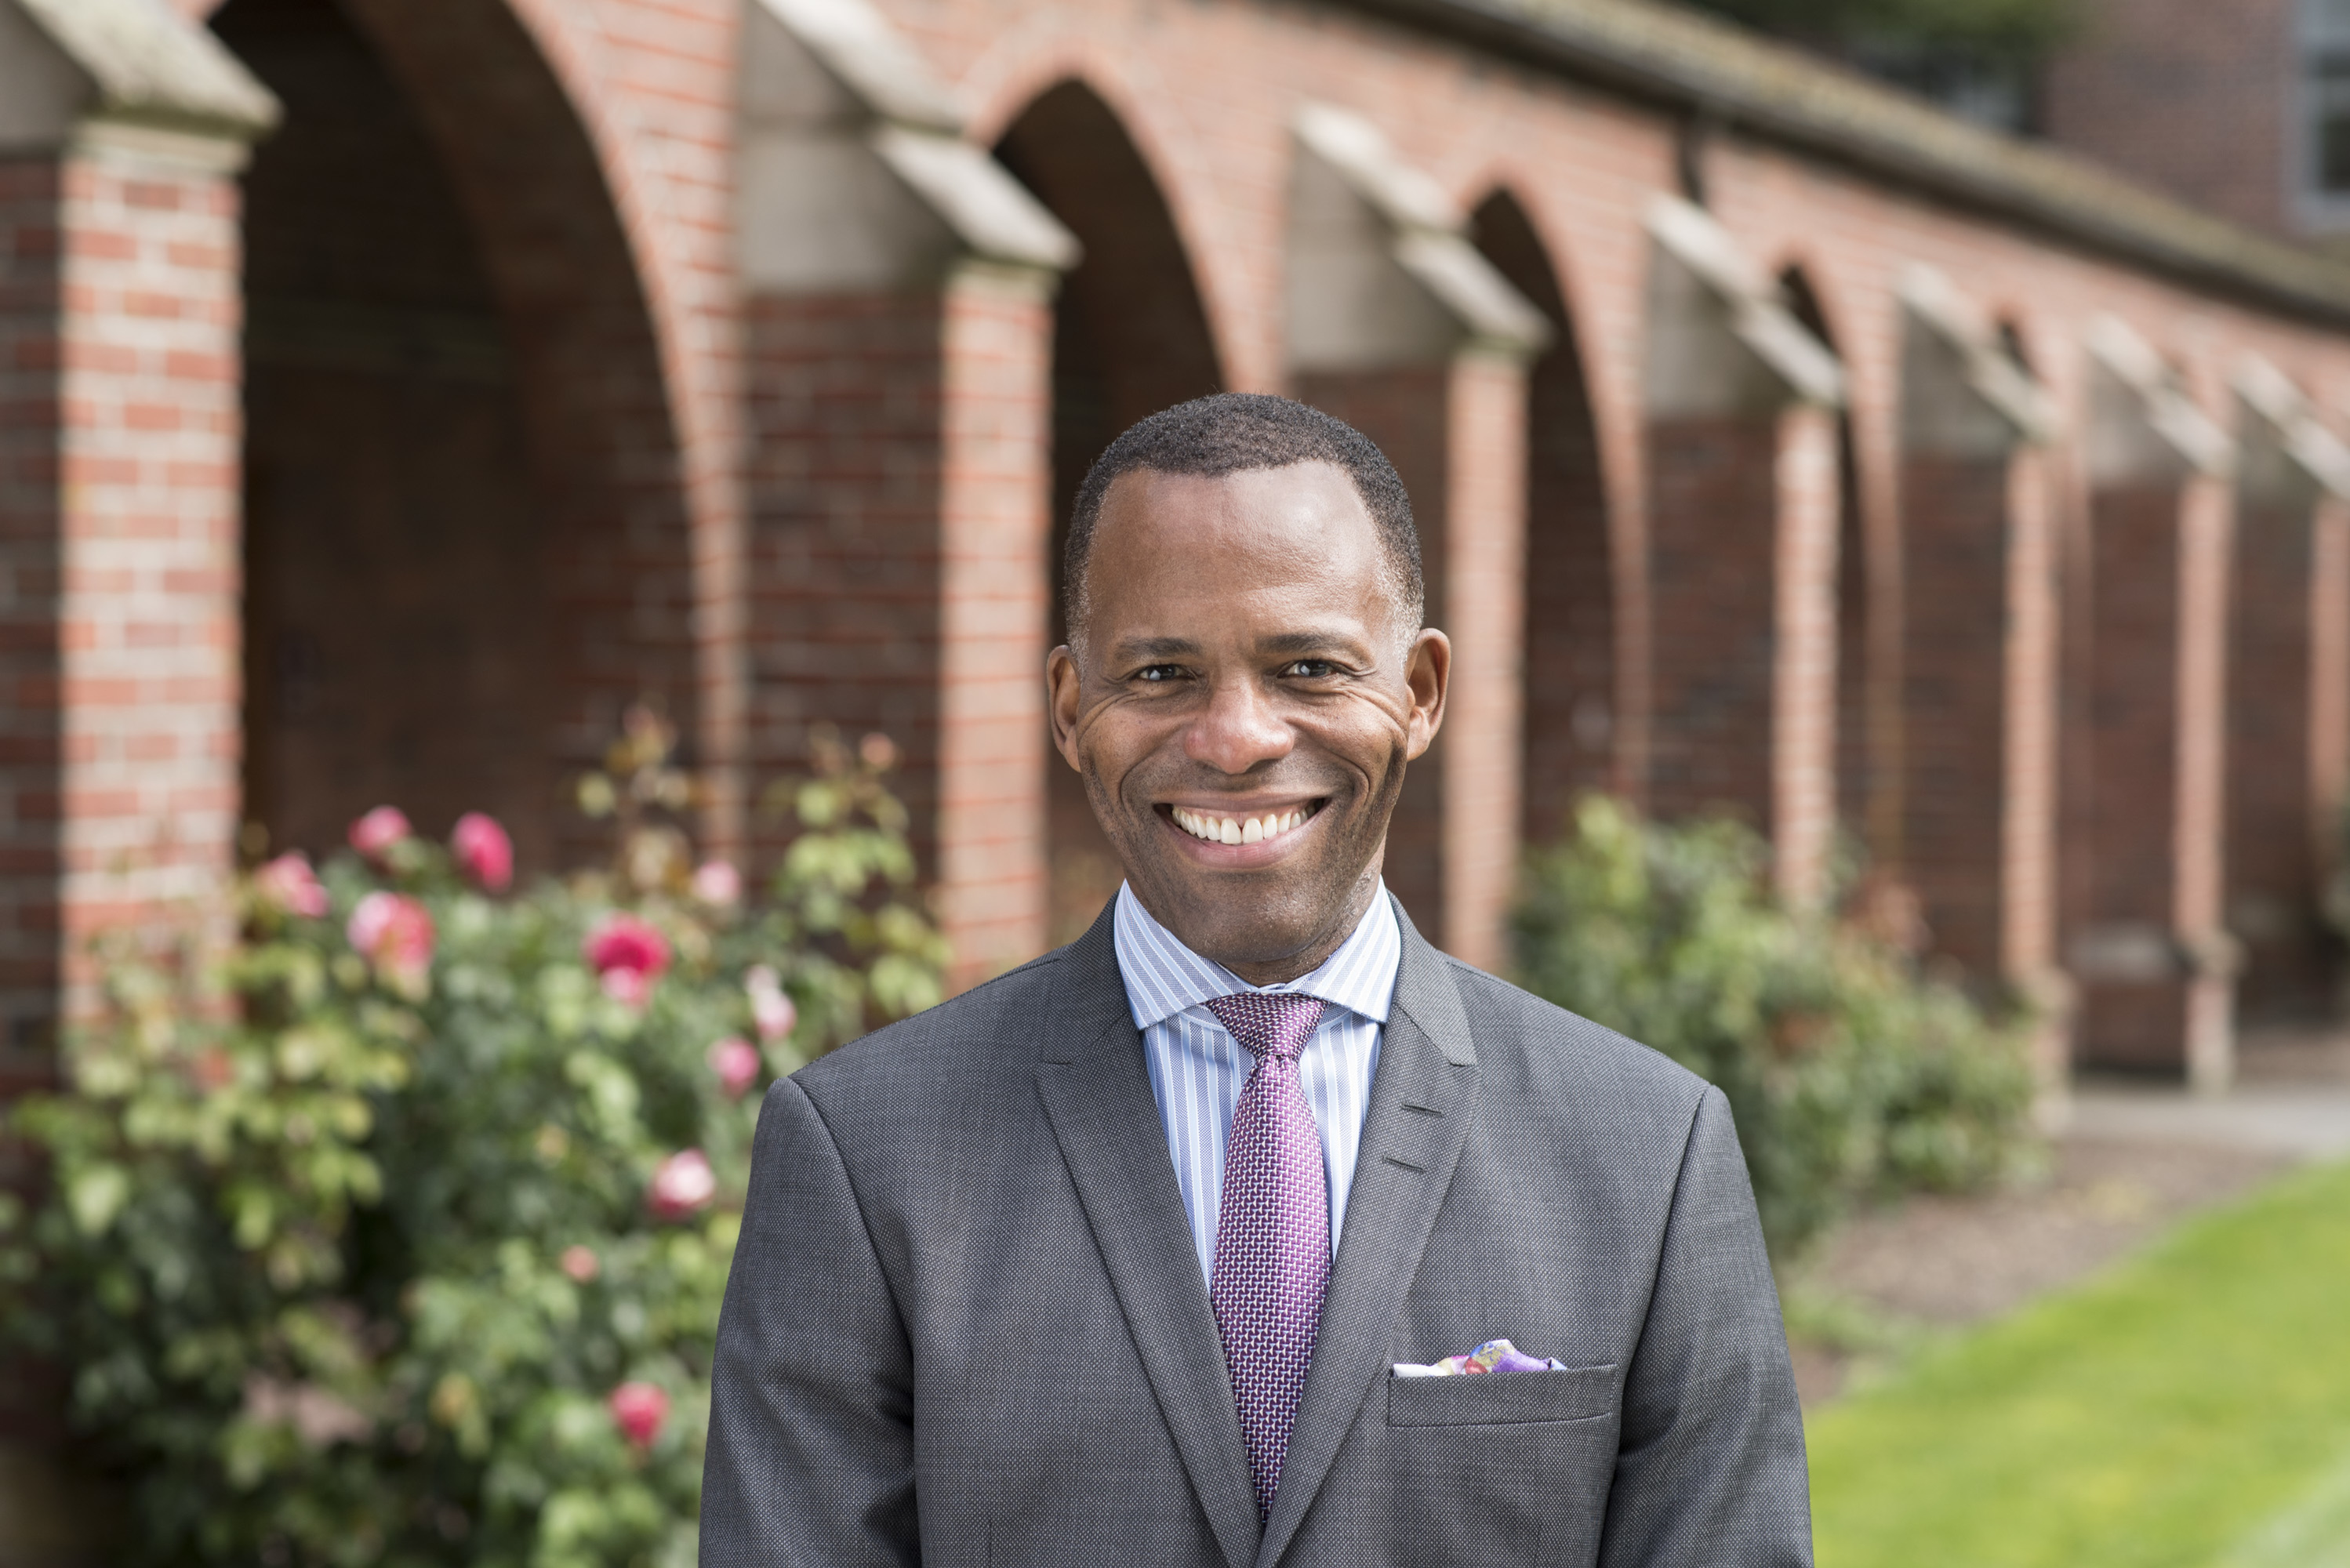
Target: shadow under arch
x,y
468,541
1570,624
1129,337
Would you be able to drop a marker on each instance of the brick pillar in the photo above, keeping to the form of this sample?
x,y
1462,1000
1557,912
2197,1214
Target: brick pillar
x,y
1456,434
2329,678
995,542
899,530
1808,509
2154,962
1484,609
119,509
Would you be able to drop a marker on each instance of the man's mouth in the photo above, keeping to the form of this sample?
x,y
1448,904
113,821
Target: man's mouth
x,y
1217,829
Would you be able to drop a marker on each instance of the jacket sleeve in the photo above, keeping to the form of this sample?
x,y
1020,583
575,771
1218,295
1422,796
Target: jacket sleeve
x,y
811,1410
1710,1473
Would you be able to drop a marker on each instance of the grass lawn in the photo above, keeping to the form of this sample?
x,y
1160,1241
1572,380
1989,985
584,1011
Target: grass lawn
x,y
2190,1408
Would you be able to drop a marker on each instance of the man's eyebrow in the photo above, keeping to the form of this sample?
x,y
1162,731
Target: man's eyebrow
x,y
1153,648
1297,642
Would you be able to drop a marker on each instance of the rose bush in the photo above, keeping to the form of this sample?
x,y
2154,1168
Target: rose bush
x,y
399,1237
1848,1071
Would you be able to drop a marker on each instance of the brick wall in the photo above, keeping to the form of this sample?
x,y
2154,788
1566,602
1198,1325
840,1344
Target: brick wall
x,y
2189,98
1956,558
1712,495
2131,803
2273,905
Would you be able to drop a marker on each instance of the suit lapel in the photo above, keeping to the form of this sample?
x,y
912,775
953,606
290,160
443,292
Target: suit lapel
x,y
1422,1102
1097,1095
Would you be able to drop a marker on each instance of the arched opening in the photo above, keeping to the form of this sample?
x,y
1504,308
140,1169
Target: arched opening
x,y
1570,625
1859,810
467,546
1131,337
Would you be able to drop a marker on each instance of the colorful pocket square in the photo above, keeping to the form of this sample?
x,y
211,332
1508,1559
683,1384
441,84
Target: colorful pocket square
x,y
1494,1356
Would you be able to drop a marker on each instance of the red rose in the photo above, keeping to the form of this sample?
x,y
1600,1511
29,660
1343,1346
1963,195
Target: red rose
x,y
374,834
484,851
393,932
628,954
639,1409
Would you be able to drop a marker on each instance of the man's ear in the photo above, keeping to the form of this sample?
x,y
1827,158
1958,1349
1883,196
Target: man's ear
x,y
1062,690
1428,673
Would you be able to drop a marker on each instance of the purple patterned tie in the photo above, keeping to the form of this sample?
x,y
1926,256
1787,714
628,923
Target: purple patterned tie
x,y
1272,1229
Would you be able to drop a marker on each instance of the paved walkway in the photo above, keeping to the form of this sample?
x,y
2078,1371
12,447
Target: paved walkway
x,y
2291,1098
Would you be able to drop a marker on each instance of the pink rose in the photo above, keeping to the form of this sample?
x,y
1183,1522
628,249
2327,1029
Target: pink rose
x,y
289,885
374,834
718,884
394,932
484,851
681,1184
580,1262
638,1409
771,1011
630,954
736,1062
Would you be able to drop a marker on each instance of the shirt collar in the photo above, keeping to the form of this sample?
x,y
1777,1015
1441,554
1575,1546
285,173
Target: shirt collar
x,y
1163,977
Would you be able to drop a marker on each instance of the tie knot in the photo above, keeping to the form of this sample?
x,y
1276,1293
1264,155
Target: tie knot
x,y
1269,1023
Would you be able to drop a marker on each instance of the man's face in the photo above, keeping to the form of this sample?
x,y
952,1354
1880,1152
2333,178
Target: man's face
x,y
1245,707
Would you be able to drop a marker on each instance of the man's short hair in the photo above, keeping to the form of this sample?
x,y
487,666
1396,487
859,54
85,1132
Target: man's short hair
x,y
1238,432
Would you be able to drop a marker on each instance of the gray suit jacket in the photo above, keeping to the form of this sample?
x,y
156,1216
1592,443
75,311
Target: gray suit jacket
x,y
966,1324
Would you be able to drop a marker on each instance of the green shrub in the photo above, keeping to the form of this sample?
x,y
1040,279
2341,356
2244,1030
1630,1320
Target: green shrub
x,y
1847,1073
400,1240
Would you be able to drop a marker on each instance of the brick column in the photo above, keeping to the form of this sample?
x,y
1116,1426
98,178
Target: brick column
x,y
1807,510
119,510
995,542
1484,611
2206,526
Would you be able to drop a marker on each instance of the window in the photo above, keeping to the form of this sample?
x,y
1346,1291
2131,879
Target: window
x,y
2324,137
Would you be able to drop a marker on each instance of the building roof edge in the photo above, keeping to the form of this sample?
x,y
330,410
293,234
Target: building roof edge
x,y
1738,82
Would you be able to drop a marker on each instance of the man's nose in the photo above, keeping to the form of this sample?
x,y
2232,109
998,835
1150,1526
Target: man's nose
x,y
1238,731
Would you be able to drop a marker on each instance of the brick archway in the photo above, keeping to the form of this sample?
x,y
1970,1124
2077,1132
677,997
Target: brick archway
x,y
470,542
1131,337
1570,722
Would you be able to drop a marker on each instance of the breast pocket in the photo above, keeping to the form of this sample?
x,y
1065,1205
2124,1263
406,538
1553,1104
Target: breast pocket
x,y
1502,1398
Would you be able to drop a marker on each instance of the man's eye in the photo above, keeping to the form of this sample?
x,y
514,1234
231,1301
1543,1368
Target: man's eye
x,y
1312,669
1159,672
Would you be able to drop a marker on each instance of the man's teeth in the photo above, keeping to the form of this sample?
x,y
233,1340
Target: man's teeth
x,y
1237,829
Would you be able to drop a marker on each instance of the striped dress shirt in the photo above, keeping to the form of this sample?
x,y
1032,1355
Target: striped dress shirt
x,y
1197,1068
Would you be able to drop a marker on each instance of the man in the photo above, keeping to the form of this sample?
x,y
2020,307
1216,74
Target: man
x,y
1145,1252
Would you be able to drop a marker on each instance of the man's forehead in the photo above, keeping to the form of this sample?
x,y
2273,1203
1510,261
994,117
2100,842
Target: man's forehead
x,y
1296,502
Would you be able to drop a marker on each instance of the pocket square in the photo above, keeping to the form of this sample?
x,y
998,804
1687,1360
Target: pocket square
x,y
1494,1356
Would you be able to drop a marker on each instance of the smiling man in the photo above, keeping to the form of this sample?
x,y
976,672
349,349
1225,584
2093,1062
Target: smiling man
x,y
1249,1228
